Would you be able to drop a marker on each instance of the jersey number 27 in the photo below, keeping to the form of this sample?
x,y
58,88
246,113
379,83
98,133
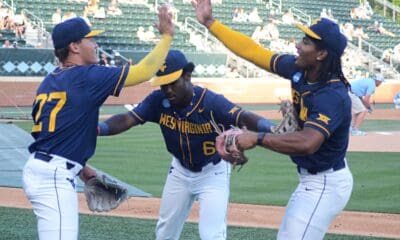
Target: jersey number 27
x,y
42,99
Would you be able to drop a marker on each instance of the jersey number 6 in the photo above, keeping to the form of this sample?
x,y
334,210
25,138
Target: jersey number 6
x,y
209,148
41,99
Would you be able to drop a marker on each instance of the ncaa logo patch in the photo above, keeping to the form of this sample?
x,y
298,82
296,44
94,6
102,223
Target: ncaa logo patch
x,y
166,103
296,77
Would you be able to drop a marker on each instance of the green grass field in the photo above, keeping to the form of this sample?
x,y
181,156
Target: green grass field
x,y
138,157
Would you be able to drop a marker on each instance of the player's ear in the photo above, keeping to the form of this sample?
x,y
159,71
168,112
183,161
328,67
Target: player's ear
x,y
322,54
73,47
187,76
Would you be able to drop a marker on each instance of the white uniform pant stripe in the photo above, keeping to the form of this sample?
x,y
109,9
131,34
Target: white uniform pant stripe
x,y
314,204
315,209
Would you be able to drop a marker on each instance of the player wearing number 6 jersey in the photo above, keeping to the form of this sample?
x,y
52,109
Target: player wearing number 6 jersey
x,y
65,114
184,112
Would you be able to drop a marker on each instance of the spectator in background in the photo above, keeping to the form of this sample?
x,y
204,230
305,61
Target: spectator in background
x,y
20,24
68,15
7,44
92,6
387,55
359,33
288,17
113,8
85,16
360,94
396,100
150,36
56,17
323,13
271,30
384,31
253,16
140,34
100,14
104,60
348,30
330,15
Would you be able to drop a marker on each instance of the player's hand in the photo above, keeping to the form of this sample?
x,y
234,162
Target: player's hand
x,y
203,11
165,24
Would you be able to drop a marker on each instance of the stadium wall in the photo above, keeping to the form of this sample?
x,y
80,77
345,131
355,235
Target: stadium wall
x,y
20,91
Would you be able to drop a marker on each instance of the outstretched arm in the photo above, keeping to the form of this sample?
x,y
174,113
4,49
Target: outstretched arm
x,y
116,124
255,122
148,66
238,43
304,142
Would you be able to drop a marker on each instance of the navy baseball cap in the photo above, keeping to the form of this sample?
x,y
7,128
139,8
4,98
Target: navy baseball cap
x,y
172,68
72,30
328,32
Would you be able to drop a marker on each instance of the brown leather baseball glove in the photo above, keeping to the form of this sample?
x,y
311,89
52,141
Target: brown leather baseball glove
x,y
289,121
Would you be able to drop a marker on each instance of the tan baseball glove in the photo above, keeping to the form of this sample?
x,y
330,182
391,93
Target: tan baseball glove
x,y
227,148
104,194
226,144
289,121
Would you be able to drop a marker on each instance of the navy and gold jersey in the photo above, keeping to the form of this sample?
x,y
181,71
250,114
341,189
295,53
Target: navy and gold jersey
x,y
323,106
188,133
66,109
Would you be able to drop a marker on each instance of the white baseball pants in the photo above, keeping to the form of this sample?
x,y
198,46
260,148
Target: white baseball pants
x,y
315,203
182,187
50,187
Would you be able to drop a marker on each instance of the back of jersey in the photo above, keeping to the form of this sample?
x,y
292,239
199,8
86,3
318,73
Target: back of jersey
x,y
66,109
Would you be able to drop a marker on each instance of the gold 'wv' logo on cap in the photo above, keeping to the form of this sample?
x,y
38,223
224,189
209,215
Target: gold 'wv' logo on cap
x,y
163,67
316,21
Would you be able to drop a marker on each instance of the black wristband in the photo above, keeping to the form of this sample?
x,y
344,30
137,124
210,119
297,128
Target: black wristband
x,y
260,138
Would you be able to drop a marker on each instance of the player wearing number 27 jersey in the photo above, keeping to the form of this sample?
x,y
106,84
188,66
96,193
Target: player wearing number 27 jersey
x,y
65,115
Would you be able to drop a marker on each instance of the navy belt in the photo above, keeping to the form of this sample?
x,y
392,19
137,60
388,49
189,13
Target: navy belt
x,y
47,158
335,168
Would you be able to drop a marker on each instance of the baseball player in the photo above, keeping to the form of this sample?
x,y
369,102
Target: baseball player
x,y
184,112
360,95
320,97
65,114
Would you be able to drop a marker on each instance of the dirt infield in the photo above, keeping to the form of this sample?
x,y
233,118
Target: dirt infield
x,y
245,215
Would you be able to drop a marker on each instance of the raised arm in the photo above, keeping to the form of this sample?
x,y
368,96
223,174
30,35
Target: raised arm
x,y
148,66
238,43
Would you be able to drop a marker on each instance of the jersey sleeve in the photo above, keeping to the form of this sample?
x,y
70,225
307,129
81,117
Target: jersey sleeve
x,y
283,65
105,81
223,110
148,109
327,113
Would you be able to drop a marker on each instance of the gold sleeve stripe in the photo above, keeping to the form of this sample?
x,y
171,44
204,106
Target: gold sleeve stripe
x,y
243,45
238,117
119,80
198,102
274,60
334,80
190,152
137,116
319,126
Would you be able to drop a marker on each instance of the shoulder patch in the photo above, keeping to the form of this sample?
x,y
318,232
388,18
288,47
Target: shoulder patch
x,y
296,77
323,118
233,110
